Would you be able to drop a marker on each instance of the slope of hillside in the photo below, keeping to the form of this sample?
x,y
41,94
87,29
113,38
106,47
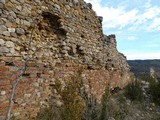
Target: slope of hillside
x,y
143,67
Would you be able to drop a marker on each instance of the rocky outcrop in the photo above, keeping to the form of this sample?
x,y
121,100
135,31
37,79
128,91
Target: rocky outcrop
x,y
53,39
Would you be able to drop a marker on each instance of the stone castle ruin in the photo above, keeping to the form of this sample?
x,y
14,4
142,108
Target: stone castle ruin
x,y
45,40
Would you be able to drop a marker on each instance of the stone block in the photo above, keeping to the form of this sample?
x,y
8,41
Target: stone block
x,y
2,42
13,68
3,1
13,34
12,50
57,6
2,63
11,29
36,84
17,20
4,68
9,44
26,96
16,114
3,92
8,24
33,75
4,50
12,14
6,33
3,28
19,8
1,5
20,31
1,32
26,23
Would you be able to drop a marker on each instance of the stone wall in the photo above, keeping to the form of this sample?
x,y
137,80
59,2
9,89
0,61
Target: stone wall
x,y
53,39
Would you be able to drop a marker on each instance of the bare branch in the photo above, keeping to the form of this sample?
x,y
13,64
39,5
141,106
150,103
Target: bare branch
x,y
13,90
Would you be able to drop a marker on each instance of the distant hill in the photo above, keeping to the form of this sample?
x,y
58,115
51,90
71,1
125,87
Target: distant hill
x,y
142,67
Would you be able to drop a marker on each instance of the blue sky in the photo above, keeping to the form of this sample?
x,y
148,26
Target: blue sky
x,y
136,24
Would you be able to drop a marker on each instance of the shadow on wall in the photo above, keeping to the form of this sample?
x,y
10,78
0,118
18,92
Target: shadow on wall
x,y
52,23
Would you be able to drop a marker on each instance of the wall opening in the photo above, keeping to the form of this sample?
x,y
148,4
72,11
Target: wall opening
x,y
54,23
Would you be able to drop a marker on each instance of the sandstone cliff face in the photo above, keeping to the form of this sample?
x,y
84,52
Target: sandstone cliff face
x,y
56,38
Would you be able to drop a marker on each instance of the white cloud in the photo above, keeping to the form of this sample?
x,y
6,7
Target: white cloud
x,y
151,12
131,38
154,25
142,55
136,18
149,18
119,18
113,17
147,4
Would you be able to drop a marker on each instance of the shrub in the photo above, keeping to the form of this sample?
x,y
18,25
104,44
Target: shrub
x,y
46,114
73,104
78,102
133,91
113,105
121,112
104,102
72,107
154,90
147,78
